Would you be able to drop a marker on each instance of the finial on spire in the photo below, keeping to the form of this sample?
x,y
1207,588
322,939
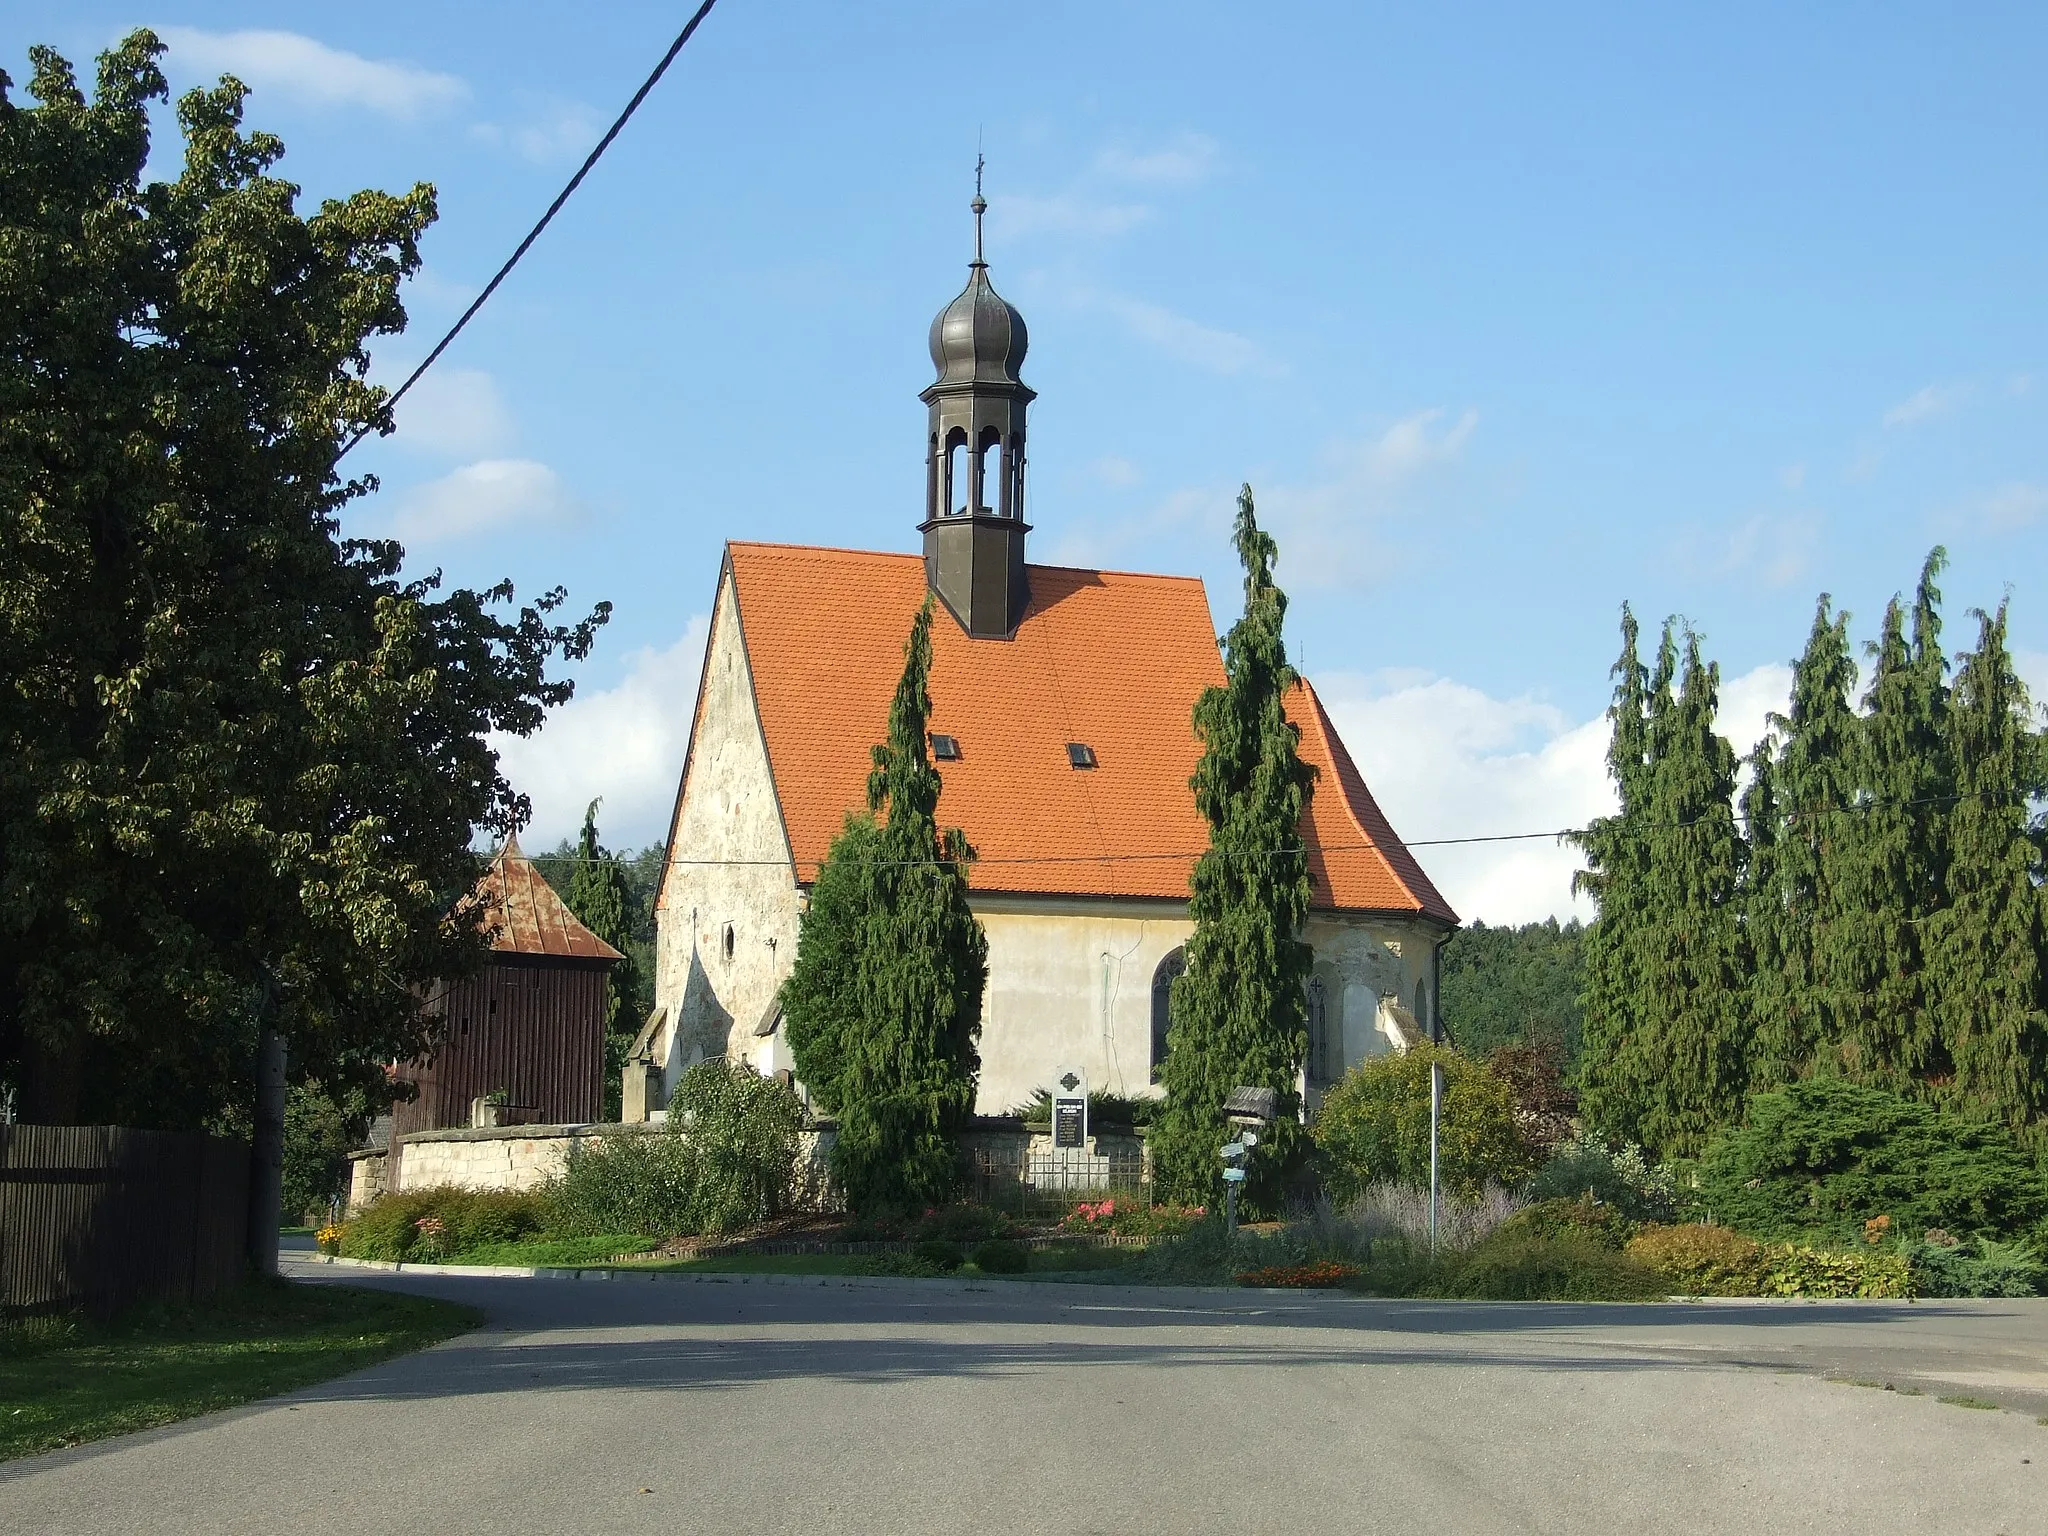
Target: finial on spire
x,y
980,206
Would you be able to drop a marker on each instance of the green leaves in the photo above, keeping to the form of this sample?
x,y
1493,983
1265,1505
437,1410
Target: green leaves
x,y
1240,1011
237,752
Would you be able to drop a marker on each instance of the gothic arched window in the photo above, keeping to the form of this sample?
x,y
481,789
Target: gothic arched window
x,y
1162,1005
1318,1031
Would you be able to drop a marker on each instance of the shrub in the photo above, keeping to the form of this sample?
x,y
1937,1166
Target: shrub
x,y
1825,1155
964,1224
1374,1126
1626,1180
726,1158
741,1131
1578,1221
1980,1268
1401,1213
1109,1111
1510,1266
1701,1260
458,1220
1791,1269
625,1181
941,1253
999,1257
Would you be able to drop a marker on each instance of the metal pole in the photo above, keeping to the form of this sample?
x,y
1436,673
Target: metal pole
x,y
1230,1207
1436,1106
266,1159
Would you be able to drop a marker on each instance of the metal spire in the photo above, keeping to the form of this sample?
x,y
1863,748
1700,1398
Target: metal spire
x,y
980,206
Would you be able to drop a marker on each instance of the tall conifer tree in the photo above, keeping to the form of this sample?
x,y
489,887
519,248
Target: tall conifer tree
x,y
1815,787
1767,920
1617,877
1984,984
1692,1019
603,901
1895,852
884,1001
1240,1010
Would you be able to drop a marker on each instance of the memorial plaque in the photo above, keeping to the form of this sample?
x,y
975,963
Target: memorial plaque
x,y
1070,1111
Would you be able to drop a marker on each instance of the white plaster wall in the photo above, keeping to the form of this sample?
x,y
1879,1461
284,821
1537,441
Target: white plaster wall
x,y
1070,984
729,816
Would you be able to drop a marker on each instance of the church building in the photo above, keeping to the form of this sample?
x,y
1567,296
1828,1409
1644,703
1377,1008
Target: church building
x,y
1062,707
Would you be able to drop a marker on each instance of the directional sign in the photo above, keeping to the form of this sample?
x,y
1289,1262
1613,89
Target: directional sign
x,y
1233,1175
1232,1152
1250,1138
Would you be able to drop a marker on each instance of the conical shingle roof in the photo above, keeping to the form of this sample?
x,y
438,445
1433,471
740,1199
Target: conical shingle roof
x,y
529,917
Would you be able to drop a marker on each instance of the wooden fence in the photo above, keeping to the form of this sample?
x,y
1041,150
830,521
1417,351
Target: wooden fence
x,y
101,1217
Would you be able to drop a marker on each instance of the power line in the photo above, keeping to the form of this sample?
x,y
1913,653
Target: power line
x,y
554,208
1858,808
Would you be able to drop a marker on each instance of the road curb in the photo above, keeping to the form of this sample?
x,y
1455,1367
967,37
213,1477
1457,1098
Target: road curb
x,y
979,1285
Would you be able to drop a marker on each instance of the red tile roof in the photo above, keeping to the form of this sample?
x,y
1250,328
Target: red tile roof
x,y
531,919
1105,658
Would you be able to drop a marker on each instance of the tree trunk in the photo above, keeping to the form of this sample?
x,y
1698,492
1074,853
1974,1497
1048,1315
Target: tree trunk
x,y
266,1155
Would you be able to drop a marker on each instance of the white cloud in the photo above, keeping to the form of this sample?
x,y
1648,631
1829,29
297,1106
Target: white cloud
x,y
1771,547
1114,469
1185,340
1929,404
456,411
1066,213
1329,530
2015,506
483,497
624,744
310,71
1446,760
1185,161
561,131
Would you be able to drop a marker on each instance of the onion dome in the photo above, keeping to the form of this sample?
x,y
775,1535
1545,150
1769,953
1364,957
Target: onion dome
x,y
979,337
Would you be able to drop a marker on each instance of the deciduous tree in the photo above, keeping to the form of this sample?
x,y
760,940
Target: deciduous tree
x,y
241,757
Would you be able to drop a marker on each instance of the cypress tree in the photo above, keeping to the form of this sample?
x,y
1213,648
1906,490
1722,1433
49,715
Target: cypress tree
x,y
1984,984
1240,1010
884,1000
1814,786
1894,853
1768,921
1617,877
602,898
1690,1014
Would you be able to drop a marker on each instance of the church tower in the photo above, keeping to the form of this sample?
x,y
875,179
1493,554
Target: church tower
x,y
974,457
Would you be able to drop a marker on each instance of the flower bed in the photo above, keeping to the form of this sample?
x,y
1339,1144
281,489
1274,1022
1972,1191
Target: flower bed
x,y
1321,1275
1130,1218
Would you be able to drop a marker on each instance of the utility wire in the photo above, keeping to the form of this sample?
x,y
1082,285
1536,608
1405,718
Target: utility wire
x,y
1858,808
554,208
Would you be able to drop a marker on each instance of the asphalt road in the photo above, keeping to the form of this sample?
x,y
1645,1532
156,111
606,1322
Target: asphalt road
x,y
740,1406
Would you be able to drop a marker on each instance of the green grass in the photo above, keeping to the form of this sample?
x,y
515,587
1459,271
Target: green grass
x,y
556,1251
1964,1401
67,1381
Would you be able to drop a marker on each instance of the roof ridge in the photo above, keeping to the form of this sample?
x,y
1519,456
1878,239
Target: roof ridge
x,y
906,555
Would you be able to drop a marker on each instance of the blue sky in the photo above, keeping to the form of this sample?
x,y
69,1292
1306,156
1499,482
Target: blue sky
x,y
1508,313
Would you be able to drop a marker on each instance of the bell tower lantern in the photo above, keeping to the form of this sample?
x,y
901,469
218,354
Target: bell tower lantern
x,y
974,455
